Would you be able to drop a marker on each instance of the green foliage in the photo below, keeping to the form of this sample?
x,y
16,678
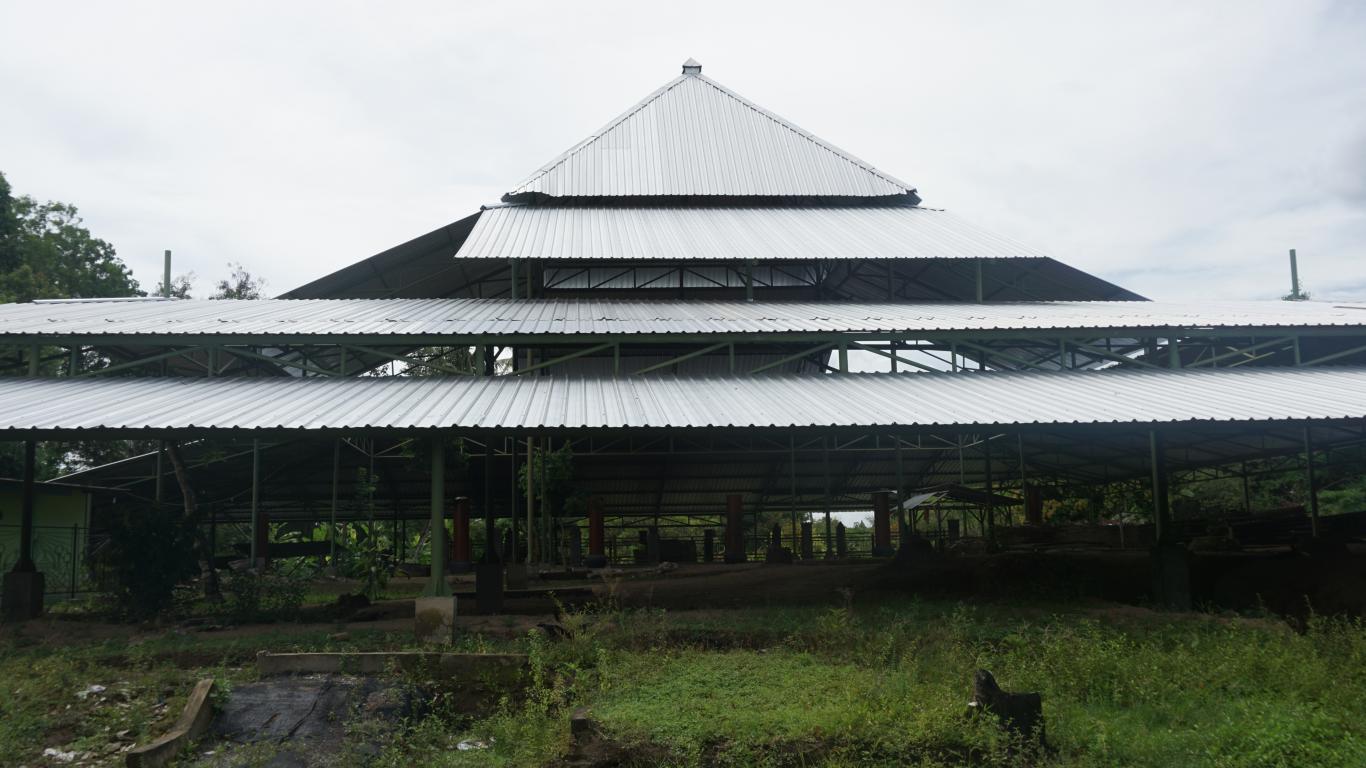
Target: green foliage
x,y
149,551
240,284
47,253
251,596
180,286
856,684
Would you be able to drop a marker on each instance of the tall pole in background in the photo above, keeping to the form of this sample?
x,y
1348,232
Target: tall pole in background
x,y
1295,294
166,276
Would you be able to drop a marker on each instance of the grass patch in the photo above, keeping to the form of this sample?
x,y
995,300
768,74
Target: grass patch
x,y
883,684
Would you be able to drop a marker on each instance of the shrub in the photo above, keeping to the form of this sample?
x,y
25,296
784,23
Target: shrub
x,y
150,550
252,596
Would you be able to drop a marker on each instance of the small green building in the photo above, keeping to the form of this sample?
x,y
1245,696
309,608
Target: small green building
x,y
62,517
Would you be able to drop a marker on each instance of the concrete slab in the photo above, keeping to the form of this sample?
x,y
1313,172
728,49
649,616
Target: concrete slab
x,y
434,620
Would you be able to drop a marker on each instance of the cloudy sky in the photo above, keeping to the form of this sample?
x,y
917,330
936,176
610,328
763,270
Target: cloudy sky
x,y
1176,148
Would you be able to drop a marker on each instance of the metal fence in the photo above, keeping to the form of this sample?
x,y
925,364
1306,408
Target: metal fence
x,y
629,549
60,552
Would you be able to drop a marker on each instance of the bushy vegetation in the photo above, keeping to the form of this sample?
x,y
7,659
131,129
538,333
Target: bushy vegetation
x,y
889,685
862,682
150,551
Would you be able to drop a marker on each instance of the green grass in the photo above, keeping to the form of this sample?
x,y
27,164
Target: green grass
x,y
878,685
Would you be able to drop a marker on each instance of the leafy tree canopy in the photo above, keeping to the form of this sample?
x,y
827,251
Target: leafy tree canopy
x,y
47,253
241,284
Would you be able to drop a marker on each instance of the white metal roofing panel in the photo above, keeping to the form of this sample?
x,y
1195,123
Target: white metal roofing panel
x,y
467,317
696,137
851,400
684,233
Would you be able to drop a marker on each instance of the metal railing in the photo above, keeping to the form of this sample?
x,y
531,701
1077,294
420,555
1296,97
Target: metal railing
x,y
59,551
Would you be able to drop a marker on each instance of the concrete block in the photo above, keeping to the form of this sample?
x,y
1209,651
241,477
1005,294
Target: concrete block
x,y
23,596
434,620
192,723
488,586
1171,576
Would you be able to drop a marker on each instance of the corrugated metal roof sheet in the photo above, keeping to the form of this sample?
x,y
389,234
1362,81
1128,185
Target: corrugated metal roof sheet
x,y
696,137
853,400
684,233
417,317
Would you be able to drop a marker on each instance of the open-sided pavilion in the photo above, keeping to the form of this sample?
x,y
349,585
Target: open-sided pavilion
x,y
719,313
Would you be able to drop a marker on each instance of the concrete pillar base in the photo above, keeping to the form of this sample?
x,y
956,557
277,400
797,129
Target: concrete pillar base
x,y
488,587
777,555
1171,576
434,620
23,596
595,561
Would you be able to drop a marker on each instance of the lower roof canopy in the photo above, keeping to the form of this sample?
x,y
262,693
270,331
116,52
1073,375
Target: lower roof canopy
x,y
869,400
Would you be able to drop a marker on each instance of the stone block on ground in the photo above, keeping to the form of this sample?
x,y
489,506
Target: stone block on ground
x,y
1019,713
23,596
488,586
434,620
777,555
1171,576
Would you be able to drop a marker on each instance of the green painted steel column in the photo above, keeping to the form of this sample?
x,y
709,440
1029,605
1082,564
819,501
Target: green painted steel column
x,y
332,525
255,492
829,531
792,484
991,490
1310,483
1161,500
436,584
901,495
25,562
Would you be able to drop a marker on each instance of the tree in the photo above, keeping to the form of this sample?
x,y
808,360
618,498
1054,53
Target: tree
x,y
180,286
47,253
241,284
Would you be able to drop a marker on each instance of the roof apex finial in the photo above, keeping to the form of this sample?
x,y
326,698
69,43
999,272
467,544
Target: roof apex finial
x,y
691,67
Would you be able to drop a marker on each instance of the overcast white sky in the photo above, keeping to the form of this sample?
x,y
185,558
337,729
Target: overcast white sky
x,y
1176,148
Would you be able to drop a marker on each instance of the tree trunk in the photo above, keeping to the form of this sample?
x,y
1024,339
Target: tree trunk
x,y
207,571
